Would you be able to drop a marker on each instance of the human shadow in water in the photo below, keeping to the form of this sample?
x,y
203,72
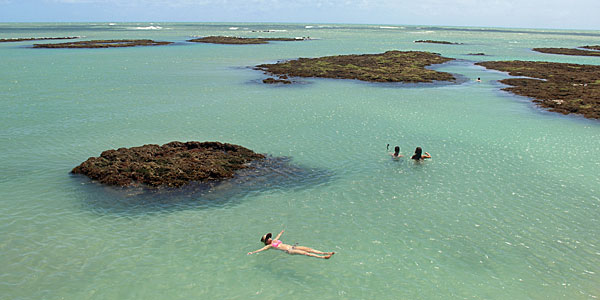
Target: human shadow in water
x,y
267,175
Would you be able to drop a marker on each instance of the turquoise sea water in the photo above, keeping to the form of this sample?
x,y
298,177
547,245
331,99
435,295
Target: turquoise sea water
x,y
508,208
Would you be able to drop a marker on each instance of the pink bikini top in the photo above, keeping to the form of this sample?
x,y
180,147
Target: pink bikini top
x,y
276,243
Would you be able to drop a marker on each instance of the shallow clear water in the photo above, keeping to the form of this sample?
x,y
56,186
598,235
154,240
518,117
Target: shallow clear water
x,y
507,208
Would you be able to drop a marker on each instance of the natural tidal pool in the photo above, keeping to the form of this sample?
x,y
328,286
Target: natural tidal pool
x,y
508,207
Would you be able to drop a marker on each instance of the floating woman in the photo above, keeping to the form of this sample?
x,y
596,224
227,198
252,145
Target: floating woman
x,y
301,250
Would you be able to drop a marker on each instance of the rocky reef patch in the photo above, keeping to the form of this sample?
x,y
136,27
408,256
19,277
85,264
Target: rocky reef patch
x,y
437,42
391,66
229,40
171,165
560,87
594,47
593,51
103,44
280,80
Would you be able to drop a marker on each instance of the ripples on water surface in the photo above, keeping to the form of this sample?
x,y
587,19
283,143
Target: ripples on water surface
x,y
507,208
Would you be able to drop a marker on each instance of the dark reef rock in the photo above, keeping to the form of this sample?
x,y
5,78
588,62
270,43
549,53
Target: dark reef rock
x,y
437,42
103,44
228,40
272,80
391,66
560,87
477,54
174,164
37,39
595,47
569,51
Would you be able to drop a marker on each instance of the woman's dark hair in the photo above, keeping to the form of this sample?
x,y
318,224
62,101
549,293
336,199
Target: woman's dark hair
x,y
396,150
265,238
418,153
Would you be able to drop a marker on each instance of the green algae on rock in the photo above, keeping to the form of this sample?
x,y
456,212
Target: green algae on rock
x,y
228,40
569,51
37,39
174,164
560,87
391,66
103,44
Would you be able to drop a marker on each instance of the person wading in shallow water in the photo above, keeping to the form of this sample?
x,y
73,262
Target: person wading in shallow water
x,y
289,249
418,154
396,153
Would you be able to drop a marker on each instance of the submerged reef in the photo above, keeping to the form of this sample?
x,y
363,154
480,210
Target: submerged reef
x,y
282,79
103,44
570,51
228,40
173,165
391,66
271,174
37,39
437,42
560,87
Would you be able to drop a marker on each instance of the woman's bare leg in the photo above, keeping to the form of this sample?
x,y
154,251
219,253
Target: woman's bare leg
x,y
302,252
311,250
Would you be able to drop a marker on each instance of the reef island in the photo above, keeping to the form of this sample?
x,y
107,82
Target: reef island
x,y
103,44
560,87
171,165
589,51
391,66
228,40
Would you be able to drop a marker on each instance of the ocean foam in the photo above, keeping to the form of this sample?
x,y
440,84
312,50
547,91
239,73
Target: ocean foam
x,y
148,28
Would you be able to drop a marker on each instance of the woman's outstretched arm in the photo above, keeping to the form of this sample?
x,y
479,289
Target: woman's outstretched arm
x,y
261,249
279,235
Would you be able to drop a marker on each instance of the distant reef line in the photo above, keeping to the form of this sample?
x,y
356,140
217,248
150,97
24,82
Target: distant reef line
x,y
437,42
38,39
103,44
229,40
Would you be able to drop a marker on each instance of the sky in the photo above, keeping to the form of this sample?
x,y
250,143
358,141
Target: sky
x,y
565,14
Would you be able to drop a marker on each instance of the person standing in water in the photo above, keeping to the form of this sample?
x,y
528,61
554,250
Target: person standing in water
x,y
418,154
289,249
396,153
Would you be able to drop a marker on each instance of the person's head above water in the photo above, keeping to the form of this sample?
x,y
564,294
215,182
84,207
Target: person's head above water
x,y
396,150
266,238
418,153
